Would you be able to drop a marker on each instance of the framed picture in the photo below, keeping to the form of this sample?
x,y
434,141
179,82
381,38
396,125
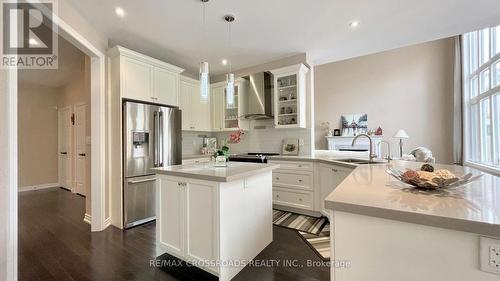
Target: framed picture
x,y
290,147
336,133
353,124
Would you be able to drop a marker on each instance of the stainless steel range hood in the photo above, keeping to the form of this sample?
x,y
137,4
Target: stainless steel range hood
x,y
259,97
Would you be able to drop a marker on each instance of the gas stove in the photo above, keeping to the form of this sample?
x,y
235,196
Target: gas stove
x,y
253,157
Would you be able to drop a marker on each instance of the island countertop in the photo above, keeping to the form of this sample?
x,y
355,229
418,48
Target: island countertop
x,y
208,171
370,191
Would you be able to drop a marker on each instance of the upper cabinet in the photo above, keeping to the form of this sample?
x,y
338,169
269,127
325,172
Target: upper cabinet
x,y
290,96
229,118
144,78
195,111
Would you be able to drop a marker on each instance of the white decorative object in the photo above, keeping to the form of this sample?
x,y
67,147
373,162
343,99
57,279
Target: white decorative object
x,y
401,134
204,81
290,147
220,161
345,143
423,154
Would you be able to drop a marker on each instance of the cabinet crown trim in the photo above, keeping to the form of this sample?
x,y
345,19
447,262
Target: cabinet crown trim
x,y
119,50
292,68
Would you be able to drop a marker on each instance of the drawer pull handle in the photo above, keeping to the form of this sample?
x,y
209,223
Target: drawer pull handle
x,y
300,180
335,170
300,199
277,178
300,166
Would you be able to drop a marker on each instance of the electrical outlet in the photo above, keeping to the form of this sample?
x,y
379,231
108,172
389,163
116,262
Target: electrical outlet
x,y
489,254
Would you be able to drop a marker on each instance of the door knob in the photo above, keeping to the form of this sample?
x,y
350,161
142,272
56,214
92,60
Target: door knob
x,y
81,154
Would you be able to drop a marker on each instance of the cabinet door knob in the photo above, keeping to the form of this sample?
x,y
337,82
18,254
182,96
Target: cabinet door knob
x,y
300,166
277,196
300,180
335,170
300,199
277,178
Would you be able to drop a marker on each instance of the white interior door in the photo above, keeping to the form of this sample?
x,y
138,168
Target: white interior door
x,y
81,154
65,133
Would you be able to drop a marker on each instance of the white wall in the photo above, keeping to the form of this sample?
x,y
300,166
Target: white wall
x,y
409,88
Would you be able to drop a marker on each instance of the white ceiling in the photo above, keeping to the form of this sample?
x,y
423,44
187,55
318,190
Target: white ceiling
x,y
266,30
70,63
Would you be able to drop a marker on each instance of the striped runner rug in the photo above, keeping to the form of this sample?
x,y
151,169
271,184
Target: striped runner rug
x,y
319,243
298,222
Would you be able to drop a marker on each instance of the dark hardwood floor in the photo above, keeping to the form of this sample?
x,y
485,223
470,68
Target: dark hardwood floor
x,y
55,244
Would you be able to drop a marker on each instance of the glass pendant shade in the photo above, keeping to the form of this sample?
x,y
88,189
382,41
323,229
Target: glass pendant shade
x,y
204,81
230,90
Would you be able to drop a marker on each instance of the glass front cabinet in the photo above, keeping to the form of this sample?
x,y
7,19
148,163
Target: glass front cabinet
x,y
290,96
225,116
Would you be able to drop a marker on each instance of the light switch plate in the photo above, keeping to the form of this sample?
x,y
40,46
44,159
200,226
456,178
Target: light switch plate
x,y
489,254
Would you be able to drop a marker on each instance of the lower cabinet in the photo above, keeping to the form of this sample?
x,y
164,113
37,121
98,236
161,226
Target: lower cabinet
x,y
330,176
188,215
302,187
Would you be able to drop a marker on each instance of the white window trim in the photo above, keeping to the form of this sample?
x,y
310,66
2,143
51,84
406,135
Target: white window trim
x,y
468,102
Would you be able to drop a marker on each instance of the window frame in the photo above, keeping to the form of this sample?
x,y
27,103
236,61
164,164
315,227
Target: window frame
x,y
467,76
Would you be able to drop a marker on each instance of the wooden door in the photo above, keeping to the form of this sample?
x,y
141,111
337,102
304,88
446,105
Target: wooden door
x,y
81,153
65,145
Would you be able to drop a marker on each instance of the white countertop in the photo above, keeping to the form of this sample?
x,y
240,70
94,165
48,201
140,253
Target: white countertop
x,y
370,191
208,171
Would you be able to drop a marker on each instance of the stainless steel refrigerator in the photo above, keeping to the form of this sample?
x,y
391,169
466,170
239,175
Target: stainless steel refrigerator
x,y
151,138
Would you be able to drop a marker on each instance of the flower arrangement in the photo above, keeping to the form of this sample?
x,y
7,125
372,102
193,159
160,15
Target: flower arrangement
x,y
235,137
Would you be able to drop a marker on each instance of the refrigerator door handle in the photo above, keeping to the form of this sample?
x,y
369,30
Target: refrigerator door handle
x,y
155,138
160,138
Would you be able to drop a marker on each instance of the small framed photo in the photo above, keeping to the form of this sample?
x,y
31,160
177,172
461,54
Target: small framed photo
x,y
336,133
290,147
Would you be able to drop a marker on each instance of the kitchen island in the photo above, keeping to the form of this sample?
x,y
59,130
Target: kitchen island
x,y
387,231
215,218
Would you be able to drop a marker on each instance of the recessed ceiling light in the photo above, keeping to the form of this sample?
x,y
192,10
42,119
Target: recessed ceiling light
x,y
33,41
224,61
120,12
354,24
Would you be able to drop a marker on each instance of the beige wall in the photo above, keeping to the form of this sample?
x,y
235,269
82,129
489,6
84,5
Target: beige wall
x,y
37,135
409,88
38,162
77,91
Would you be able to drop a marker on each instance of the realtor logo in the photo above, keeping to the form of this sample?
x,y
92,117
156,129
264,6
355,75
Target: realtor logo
x,y
29,36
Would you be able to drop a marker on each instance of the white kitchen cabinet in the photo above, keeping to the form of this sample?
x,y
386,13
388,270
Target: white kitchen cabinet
x,y
166,86
290,96
143,78
136,79
226,118
187,211
217,106
330,176
172,213
195,111
293,186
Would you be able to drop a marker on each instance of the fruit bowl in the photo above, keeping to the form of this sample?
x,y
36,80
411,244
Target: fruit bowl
x,y
440,179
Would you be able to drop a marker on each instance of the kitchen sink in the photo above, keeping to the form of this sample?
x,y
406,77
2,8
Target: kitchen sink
x,y
359,161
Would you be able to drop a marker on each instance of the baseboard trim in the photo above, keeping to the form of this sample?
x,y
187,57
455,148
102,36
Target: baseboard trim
x,y
107,222
87,218
37,187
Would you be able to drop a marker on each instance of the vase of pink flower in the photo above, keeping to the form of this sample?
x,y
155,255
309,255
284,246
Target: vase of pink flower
x,y
235,137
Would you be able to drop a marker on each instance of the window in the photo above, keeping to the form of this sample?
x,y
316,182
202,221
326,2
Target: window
x,y
481,69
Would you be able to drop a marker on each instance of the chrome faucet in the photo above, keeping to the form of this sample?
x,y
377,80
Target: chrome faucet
x,y
372,155
389,155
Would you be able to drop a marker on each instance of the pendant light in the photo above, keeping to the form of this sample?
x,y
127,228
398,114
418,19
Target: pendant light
x,y
204,68
230,76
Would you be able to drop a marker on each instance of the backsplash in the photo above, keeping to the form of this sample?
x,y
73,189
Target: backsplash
x,y
192,142
268,139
